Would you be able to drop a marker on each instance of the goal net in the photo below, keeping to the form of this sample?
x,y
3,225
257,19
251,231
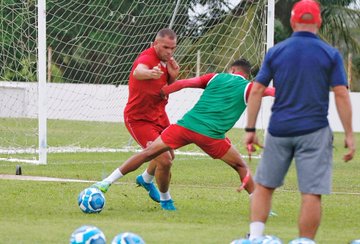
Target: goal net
x,y
91,46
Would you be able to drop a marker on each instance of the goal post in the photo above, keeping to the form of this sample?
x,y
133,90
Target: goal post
x,y
74,99
42,111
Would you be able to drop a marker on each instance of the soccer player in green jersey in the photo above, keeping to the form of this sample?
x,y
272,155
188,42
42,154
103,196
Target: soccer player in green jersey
x,y
220,106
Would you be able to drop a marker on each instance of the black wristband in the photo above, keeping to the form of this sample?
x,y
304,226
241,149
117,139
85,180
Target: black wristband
x,y
247,129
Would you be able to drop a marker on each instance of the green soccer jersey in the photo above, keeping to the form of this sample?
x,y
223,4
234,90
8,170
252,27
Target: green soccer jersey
x,y
219,107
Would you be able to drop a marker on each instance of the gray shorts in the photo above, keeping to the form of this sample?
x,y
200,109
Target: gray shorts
x,y
313,158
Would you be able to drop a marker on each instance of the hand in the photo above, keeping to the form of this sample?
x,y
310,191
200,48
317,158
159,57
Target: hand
x,y
173,68
350,144
244,181
252,143
163,95
156,72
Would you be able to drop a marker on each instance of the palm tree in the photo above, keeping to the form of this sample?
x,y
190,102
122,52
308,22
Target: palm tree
x,y
340,28
339,19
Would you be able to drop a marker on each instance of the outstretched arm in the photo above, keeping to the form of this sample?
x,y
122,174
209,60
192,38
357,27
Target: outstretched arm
x,y
196,82
269,91
143,72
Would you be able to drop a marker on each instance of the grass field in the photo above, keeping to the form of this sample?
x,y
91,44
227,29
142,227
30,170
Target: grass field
x,y
209,208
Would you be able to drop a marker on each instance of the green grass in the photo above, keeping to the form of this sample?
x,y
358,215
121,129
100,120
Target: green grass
x,y
209,208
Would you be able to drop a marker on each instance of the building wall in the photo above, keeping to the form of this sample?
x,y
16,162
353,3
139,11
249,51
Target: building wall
x,y
107,102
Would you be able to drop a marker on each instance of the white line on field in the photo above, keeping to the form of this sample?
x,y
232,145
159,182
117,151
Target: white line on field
x,y
52,179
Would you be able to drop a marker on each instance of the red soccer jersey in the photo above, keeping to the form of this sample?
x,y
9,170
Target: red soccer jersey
x,y
145,103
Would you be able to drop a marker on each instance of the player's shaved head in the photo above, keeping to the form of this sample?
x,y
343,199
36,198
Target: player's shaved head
x,y
166,32
165,44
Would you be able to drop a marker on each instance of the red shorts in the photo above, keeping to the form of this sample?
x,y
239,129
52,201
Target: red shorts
x,y
176,136
144,132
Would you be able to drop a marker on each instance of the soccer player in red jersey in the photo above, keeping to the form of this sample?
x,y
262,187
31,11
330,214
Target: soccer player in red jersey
x,y
145,116
223,101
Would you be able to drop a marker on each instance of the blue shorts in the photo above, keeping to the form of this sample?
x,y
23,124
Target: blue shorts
x,y
313,158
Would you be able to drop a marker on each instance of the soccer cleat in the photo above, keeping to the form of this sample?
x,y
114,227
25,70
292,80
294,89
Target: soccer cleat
x,y
102,186
149,187
167,205
272,214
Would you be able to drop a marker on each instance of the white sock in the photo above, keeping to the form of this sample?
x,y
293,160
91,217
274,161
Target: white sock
x,y
256,230
114,176
147,177
165,196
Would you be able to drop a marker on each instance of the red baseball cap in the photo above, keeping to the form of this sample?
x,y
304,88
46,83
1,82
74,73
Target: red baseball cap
x,y
306,7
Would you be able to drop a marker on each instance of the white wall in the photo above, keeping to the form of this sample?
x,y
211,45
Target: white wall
x,y
106,103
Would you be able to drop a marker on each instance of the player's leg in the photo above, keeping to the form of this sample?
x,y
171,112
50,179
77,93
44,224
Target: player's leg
x,y
144,133
310,215
260,207
233,158
156,148
163,173
270,174
313,158
224,150
134,162
174,137
163,176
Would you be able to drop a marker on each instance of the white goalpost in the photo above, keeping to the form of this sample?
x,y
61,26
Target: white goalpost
x,y
64,66
42,118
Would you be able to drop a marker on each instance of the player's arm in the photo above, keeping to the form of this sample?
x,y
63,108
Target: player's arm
x,y
196,82
269,91
173,69
254,103
143,72
343,106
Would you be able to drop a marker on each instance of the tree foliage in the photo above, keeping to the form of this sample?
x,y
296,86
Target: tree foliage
x,y
90,39
18,45
340,27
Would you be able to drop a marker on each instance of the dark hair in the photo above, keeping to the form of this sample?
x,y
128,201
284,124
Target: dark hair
x,y
243,64
166,32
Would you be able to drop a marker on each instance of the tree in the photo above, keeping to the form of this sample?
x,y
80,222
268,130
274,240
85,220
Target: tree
x,y
341,22
18,42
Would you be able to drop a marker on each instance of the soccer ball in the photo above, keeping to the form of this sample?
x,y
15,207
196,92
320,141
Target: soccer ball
x,y
261,240
91,200
127,238
268,239
87,235
302,240
355,242
241,241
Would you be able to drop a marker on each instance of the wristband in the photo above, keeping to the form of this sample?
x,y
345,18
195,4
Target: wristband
x,y
247,129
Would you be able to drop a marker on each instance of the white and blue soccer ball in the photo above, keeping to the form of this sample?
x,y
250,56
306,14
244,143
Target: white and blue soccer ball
x,y
355,242
87,235
127,238
302,240
241,241
268,239
91,200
